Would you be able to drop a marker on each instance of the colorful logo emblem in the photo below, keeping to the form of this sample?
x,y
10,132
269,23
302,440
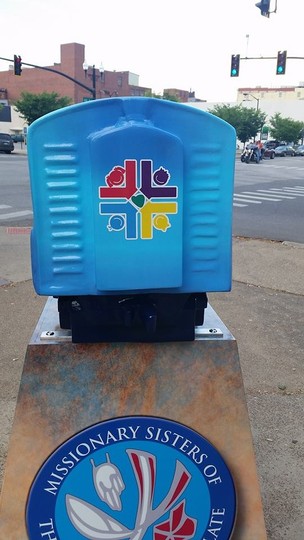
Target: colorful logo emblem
x,y
138,204
135,478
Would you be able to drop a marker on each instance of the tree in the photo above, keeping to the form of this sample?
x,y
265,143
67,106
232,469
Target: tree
x,y
285,129
33,106
247,122
168,97
228,113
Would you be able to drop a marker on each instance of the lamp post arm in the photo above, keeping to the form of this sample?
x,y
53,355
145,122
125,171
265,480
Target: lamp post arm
x,y
92,90
94,83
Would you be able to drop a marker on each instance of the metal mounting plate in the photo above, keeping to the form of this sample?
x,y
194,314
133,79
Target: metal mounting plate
x,y
203,333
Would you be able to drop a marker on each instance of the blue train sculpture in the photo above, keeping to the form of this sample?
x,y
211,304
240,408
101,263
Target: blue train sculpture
x,y
132,203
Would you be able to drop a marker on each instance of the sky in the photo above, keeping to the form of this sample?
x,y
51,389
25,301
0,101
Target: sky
x,y
168,43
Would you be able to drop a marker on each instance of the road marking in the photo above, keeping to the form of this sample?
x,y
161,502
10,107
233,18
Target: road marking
x,y
279,193
3,206
291,191
18,230
260,197
16,214
268,195
283,167
239,198
295,190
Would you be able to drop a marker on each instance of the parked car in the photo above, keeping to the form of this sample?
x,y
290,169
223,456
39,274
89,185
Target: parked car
x,y
6,143
17,137
284,150
273,143
268,152
299,150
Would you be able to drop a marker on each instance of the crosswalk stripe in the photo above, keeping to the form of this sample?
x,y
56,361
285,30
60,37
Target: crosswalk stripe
x,y
244,199
294,188
16,214
283,167
291,191
279,193
271,195
260,197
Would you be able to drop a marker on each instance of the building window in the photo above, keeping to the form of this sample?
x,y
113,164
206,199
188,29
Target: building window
x,y
119,80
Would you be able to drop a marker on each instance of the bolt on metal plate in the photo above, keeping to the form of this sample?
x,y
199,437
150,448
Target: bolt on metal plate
x,y
57,335
66,335
203,333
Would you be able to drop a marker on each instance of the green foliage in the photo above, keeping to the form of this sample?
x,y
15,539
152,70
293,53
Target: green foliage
x,y
169,97
228,113
166,96
247,122
251,124
285,129
33,106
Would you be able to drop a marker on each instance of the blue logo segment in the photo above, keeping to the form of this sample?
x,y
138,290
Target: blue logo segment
x,y
136,478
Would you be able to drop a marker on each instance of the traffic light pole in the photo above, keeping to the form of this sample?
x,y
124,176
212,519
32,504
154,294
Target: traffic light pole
x,y
88,88
281,62
271,58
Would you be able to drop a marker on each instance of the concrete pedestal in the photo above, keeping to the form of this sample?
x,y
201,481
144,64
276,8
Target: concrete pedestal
x,y
67,387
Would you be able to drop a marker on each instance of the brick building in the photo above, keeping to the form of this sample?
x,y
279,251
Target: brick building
x,y
183,96
72,57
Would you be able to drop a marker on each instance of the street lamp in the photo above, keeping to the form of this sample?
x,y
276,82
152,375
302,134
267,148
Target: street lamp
x,y
245,94
85,67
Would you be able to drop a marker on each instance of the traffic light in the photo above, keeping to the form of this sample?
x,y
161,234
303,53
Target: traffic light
x,y
235,65
17,65
264,6
281,62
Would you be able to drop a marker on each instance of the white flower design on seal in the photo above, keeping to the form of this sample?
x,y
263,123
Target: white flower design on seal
x,y
108,483
95,524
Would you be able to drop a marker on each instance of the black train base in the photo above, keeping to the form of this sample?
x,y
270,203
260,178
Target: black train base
x,y
132,318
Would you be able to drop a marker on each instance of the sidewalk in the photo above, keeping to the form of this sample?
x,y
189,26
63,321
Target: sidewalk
x,y
264,312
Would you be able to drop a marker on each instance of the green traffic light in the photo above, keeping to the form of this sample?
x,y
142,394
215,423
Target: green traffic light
x,y
281,62
235,65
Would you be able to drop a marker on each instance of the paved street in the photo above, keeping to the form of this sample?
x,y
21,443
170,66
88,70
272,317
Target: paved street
x,y
15,195
264,312
268,198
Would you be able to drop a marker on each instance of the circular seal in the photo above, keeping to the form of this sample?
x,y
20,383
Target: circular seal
x,y
133,478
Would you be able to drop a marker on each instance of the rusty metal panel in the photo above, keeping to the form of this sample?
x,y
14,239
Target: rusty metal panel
x,y
66,387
